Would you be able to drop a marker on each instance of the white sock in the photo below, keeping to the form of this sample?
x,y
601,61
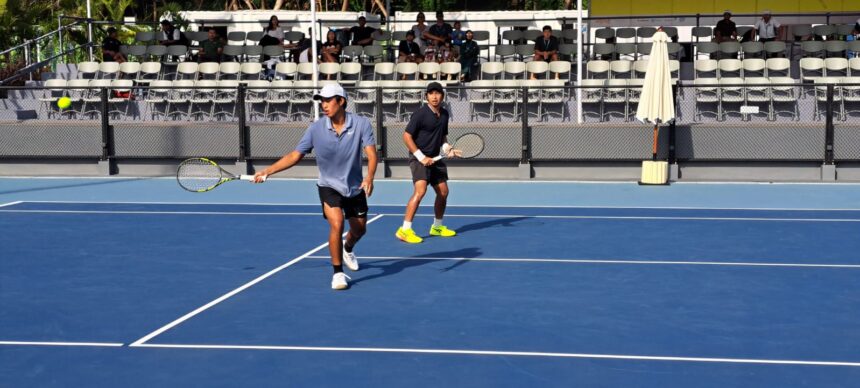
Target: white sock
x,y
437,222
407,225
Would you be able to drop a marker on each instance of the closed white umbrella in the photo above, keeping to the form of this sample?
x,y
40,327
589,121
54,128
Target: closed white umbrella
x,y
656,104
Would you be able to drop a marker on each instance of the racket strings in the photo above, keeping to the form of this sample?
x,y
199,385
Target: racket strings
x,y
196,175
470,145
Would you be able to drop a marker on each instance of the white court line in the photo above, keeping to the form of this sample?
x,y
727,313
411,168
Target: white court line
x,y
509,353
450,215
226,296
458,205
648,218
591,261
10,203
161,212
36,343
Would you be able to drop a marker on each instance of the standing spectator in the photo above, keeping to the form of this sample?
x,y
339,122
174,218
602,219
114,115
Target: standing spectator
x,y
409,50
469,51
857,27
331,48
440,32
111,48
767,28
546,48
726,30
361,34
418,30
273,34
211,49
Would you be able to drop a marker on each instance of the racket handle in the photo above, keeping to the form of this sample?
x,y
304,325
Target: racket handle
x,y
250,178
437,158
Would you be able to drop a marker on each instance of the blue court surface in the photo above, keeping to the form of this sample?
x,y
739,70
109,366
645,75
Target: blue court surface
x,y
132,282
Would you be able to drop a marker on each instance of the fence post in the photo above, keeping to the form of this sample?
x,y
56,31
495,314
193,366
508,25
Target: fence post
x,y
106,160
525,169
243,125
382,141
828,169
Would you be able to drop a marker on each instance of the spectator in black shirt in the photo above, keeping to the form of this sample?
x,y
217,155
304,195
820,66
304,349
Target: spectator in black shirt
x,y
726,30
440,32
331,48
546,47
469,51
409,50
361,34
110,48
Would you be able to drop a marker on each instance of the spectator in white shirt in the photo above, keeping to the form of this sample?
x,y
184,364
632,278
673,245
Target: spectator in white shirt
x,y
768,28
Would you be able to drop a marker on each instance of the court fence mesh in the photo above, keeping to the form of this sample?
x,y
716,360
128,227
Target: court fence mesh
x,y
521,120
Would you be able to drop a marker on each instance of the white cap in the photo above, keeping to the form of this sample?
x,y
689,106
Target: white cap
x,y
329,91
765,12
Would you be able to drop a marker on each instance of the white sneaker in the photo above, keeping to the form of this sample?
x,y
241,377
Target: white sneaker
x,y
338,281
350,260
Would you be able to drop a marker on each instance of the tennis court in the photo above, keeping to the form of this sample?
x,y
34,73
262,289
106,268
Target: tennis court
x,y
132,281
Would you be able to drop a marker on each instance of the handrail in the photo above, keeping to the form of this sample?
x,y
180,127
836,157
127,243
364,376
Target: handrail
x,y
30,41
29,68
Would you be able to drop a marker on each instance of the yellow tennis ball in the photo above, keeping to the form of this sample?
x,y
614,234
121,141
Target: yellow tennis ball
x,y
64,102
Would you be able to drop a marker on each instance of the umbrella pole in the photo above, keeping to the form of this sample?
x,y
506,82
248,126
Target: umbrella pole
x,y
654,147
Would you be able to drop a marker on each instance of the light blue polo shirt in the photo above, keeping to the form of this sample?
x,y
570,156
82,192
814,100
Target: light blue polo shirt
x,y
338,157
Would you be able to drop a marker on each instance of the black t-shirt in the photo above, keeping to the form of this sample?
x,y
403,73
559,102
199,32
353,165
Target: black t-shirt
x,y
407,48
358,33
542,44
726,28
428,131
443,31
111,44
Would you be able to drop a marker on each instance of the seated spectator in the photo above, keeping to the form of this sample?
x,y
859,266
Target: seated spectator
x,y
546,47
767,28
458,36
211,49
297,49
447,53
469,52
273,34
361,34
857,27
331,49
110,48
438,33
409,50
171,35
726,30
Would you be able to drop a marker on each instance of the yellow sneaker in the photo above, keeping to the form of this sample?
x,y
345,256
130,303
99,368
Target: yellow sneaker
x,y
408,235
442,230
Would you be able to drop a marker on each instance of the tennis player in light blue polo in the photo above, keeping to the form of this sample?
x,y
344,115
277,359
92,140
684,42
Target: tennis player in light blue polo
x,y
337,139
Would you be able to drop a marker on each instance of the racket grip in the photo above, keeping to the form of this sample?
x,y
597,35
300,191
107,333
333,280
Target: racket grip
x,y
250,178
437,158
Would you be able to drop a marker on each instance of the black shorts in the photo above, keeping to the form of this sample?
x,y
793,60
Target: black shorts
x,y
353,207
435,174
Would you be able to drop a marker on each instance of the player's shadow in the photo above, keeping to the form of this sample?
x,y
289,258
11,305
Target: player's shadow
x,y
394,266
504,222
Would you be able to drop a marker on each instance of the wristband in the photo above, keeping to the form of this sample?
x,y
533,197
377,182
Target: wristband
x,y
419,155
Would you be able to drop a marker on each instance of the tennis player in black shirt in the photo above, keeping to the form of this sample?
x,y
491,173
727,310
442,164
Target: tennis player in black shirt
x,y
426,136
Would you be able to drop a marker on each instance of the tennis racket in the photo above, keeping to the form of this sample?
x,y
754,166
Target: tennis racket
x,y
199,175
467,146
